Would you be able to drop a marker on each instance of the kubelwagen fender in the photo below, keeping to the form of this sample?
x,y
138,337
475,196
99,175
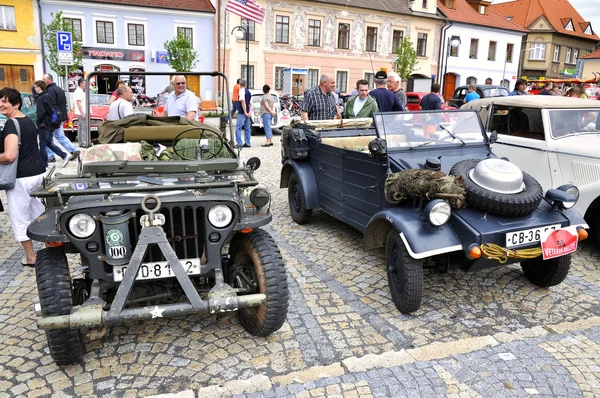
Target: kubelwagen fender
x,y
420,239
306,177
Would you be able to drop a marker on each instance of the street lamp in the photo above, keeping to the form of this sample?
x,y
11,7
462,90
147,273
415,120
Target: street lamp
x,y
240,32
453,42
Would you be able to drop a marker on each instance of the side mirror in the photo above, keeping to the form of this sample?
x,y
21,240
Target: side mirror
x,y
493,137
253,163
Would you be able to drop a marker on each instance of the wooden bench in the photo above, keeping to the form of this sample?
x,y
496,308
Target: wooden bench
x,y
209,106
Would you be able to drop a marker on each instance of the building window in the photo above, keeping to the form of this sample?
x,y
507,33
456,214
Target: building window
x,y
454,50
8,20
341,81
555,57
104,32
471,80
482,9
492,51
473,49
249,26
279,78
397,39
422,44
538,51
75,25
568,56
249,79
450,4
314,32
188,33
371,39
575,55
136,34
344,36
509,52
282,29
370,77
424,5
312,79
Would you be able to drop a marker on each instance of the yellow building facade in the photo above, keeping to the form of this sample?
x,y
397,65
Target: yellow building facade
x,y
20,44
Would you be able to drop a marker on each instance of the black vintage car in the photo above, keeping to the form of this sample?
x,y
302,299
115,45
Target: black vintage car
x,y
350,173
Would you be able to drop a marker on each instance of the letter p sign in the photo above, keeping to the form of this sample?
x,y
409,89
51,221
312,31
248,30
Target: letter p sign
x,y
64,42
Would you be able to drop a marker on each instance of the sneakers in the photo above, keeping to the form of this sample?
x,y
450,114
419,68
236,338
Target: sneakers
x,y
66,161
247,146
51,160
74,155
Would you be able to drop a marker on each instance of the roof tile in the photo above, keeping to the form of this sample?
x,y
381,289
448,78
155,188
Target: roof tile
x,y
463,12
594,55
184,5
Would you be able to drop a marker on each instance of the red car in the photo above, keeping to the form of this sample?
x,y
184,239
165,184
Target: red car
x,y
99,110
413,101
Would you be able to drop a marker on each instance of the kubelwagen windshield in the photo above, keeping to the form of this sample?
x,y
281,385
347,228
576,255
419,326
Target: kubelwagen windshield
x,y
415,129
569,122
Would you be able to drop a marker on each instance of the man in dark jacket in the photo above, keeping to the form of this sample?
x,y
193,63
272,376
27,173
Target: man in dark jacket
x,y
386,100
431,102
547,90
57,96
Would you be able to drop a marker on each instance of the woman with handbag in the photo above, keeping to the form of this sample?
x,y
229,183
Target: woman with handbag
x,y
19,144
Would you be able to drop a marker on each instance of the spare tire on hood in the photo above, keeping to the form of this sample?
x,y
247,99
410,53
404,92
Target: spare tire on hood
x,y
501,204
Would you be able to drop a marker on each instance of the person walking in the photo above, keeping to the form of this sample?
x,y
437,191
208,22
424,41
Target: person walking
x,y
361,105
386,100
393,84
57,96
235,100
472,95
30,169
44,108
266,113
122,106
243,119
319,102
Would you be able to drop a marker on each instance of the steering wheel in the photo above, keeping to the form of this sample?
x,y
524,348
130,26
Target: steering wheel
x,y
203,130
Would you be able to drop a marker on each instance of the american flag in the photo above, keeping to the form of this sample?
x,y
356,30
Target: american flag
x,y
248,9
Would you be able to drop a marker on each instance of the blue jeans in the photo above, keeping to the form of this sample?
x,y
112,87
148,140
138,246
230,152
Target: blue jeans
x,y
242,120
267,118
59,134
47,146
236,107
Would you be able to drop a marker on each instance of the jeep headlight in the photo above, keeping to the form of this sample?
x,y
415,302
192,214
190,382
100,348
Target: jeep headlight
x,y
285,112
570,189
220,216
82,225
437,212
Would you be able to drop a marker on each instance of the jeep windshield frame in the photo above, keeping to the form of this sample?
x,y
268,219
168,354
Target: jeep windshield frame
x,y
408,130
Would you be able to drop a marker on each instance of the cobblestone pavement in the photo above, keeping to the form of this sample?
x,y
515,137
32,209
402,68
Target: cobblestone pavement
x,y
483,334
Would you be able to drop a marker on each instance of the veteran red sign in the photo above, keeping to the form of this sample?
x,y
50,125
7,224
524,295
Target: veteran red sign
x,y
558,243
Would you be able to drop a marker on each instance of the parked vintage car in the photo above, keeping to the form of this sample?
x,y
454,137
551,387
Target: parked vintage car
x,y
99,107
278,121
484,91
27,107
555,139
413,101
387,183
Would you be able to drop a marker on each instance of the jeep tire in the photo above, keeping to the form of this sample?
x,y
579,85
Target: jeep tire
x,y
300,214
546,273
56,298
512,205
405,275
256,265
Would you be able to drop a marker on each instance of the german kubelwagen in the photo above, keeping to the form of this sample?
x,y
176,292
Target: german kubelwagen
x,y
426,186
156,238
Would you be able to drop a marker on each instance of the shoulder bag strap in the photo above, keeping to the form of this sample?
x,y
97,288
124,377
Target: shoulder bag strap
x,y
18,128
119,109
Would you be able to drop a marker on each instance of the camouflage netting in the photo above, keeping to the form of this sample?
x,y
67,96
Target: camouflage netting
x,y
431,184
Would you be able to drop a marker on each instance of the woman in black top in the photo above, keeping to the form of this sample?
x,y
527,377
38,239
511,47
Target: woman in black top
x,y
22,207
46,132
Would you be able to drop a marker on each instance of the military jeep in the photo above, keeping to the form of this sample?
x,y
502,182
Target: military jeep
x,y
426,187
160,238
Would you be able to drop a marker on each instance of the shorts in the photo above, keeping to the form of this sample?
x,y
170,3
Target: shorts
x,y
22,208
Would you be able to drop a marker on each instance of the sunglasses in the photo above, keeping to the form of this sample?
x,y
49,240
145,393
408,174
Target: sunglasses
x,y
180,84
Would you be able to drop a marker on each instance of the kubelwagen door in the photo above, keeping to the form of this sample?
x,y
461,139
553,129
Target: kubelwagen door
x,y
521,139
329,168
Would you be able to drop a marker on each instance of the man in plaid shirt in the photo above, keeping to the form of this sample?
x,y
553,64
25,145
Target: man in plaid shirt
x,y
319,102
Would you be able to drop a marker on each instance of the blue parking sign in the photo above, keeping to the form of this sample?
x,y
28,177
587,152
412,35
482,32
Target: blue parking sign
x,y
64,42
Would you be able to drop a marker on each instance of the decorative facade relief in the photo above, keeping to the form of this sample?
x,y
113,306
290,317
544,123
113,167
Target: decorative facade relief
x,y
384,42
329,33
298,33
358,44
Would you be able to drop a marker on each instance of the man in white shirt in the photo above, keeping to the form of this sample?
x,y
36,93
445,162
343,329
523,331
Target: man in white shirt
x,y
122,106
181,102
80,110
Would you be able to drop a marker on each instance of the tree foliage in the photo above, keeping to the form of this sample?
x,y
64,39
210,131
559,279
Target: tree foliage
x,y
406,60
58,24
182,56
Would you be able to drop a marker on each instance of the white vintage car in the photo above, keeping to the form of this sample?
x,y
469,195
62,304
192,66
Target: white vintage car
x,y
280,120
555,139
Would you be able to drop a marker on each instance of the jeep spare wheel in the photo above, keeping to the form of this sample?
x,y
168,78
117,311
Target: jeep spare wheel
x,y
499,187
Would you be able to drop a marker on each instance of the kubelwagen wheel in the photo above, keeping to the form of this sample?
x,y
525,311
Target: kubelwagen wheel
x,y
547,273
256,266
56,298
300,214
502,204
405,275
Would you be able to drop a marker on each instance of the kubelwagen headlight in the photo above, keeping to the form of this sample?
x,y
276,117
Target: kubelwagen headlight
x,y
437,212
220,216
82,225
570,189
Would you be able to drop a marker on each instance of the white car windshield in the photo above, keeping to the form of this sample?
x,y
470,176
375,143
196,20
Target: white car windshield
x,y
565,122
415,129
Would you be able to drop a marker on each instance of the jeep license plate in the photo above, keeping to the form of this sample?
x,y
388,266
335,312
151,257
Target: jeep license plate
x,y
158,269
527,236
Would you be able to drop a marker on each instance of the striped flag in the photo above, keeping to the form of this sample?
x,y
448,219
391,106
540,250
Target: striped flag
x,y
248,9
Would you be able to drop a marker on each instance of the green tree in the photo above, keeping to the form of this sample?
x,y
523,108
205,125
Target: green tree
x,y
182,56
58,24
406,59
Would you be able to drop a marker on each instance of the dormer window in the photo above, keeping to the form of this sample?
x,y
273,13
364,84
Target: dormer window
x,y
588,30
482,9
570,26
450,4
